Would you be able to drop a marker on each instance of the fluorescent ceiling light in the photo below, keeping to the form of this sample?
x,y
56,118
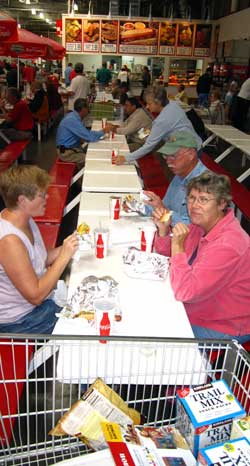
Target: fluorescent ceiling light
x,y
41,14
75,7
27,2
19,26
33,11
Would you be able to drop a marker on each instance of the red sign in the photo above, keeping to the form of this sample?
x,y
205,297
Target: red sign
x,y
59,27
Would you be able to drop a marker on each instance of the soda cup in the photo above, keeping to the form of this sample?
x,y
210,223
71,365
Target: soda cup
x,y
101,238
147,238
114,154
104,309
104,122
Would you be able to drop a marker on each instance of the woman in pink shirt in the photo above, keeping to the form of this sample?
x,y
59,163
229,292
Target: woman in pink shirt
x,y
210,261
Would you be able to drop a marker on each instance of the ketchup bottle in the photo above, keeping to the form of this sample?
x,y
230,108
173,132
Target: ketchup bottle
x,y
117,210
99,247
143,241
105,326
113,157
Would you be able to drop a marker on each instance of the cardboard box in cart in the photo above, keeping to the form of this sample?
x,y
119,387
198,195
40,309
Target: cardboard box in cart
x,y
233,453
205,414
241,428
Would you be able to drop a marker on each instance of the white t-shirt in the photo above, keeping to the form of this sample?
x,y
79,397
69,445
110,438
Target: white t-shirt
x,y
81,88
245,90
123,76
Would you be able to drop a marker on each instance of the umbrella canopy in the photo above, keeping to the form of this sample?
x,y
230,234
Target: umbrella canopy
x,y
55,50
8,27
27,45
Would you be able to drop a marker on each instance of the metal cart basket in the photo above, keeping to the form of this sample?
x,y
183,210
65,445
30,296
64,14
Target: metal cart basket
x,y
41,377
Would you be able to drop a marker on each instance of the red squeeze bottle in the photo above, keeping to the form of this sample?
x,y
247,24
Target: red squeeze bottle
x,y
99,247
143,242
117,210
105,326
113,157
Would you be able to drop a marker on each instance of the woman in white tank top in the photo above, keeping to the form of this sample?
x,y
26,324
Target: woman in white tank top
x,y
25,280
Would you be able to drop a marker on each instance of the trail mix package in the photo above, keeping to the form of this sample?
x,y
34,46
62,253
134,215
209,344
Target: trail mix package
x,y
233,453
205,414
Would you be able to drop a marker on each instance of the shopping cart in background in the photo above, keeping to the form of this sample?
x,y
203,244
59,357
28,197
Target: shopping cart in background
x,y
41,379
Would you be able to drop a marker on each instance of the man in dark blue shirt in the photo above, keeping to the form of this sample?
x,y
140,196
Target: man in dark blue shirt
x,y
72,133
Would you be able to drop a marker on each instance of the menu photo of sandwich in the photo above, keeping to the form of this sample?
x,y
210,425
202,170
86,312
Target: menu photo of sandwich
x,y
138,33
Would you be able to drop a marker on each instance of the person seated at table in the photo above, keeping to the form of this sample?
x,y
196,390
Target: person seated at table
x,y
115,91
19,121
181,94
28,272
137,119
230,99
54,98
39,105
171,118
72,133
180,154
210,260
216,108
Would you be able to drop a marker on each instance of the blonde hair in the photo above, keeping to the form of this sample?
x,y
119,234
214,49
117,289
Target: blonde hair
x,y
24,179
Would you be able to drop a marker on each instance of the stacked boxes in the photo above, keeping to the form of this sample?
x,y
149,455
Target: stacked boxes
x,y
241,428
233,453
205,414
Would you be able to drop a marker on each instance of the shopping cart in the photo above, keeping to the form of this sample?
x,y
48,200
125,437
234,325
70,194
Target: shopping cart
x,y
41,378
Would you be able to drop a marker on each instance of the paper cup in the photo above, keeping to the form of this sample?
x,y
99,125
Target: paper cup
x,y
114,207
104,305
101,238
147,238
104,122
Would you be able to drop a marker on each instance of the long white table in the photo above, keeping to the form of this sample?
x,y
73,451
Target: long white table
x,y
106,144
235,138
97,204
94,166
108,182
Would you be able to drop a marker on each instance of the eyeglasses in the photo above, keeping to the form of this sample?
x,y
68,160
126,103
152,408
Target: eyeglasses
x,y
42,194
202,200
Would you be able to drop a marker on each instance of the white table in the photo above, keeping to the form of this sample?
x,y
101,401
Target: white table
x,y
110,183
235,138
97,204
105,145
96,166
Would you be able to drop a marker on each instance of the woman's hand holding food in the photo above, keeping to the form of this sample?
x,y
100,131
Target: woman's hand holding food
x,y
69,247
158,218
180,232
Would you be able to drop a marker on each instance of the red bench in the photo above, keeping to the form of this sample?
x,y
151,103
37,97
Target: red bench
x,y
153,175
49,232
62,173
55,205
241,196
11,153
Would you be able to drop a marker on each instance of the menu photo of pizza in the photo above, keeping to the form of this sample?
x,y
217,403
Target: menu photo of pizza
x,y
109,36
167,38
91,35
73,35
138,36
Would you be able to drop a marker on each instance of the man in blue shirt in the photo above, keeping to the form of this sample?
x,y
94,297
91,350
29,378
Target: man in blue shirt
x,y
67,72
71,134
180,153
171,118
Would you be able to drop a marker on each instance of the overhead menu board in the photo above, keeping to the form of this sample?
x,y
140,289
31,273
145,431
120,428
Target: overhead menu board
x,y
89,35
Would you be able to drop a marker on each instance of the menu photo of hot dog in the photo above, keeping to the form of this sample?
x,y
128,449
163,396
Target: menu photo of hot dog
x,y
91,35
138,36
109,36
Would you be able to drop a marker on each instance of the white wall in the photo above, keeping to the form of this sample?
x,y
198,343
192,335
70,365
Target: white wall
x,y
235,26
91,62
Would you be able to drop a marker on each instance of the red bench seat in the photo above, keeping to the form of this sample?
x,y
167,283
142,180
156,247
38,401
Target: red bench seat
x,y
61,173
241,196
12,152
49,232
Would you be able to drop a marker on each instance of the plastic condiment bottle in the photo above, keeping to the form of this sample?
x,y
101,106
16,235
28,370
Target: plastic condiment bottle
x,y
113,157
143,241
117,210
105,326
99,247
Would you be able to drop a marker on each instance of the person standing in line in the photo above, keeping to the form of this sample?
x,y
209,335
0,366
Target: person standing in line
x,y
67,72
203,87
79,87
241,107
103,76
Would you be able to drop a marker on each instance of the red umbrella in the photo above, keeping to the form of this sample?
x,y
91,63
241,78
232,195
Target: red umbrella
x,y
55,50
8,27
27,45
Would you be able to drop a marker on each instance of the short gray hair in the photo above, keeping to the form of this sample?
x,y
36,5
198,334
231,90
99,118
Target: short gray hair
x,y
209,182
158,94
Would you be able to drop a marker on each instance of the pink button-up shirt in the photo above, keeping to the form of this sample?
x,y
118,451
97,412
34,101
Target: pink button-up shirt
x,y
215,288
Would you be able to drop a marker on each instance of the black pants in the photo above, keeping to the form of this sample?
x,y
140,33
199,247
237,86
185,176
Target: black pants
x,y
239,113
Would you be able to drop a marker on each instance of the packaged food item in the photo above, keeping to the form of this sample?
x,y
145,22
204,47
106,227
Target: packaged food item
x,y
241,428
233,453
83,229
98,404
166,216
205,414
